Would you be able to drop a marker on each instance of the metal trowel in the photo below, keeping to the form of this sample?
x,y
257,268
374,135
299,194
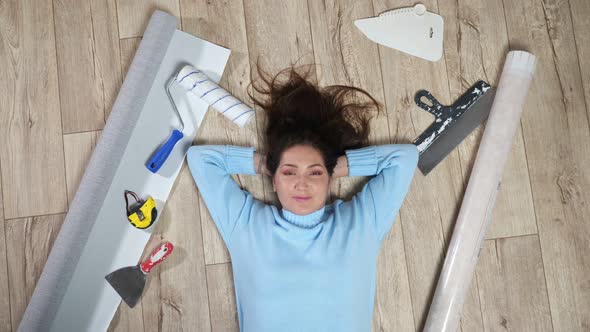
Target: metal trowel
x,y
130,281
452,123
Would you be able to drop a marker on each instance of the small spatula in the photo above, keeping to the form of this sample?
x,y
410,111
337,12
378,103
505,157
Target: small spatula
x,y
129,281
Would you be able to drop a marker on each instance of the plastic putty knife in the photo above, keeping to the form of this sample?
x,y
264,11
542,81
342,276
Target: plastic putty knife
x,y
412,30
453,123
130,281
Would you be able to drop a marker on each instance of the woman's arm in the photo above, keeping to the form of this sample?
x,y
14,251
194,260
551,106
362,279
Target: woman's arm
x,y
393,167
211,167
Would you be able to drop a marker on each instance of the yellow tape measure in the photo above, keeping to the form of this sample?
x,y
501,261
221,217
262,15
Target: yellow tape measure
x,y
144,213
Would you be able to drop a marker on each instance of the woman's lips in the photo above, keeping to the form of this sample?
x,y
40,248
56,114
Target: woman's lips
x,y
301,198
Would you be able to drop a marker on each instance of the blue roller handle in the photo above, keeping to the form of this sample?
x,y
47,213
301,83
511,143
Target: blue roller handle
x,y
159,158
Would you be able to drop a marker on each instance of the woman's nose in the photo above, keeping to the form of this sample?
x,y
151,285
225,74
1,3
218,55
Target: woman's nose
x,y
301,183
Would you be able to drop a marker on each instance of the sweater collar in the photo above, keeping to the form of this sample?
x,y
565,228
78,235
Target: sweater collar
x,y
306,221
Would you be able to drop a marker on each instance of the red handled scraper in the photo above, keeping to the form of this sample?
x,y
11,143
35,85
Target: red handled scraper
x,y
130,281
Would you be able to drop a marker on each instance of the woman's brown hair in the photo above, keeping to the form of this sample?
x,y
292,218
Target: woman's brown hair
x,y
331,119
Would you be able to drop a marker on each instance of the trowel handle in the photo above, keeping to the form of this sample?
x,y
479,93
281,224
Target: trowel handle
x,y
158,159
157,257
435,107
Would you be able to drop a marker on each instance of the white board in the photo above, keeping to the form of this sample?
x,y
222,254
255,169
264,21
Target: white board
x,y
89,302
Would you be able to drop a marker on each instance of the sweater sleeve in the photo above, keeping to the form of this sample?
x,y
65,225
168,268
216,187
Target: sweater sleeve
x,y
393,167
211,167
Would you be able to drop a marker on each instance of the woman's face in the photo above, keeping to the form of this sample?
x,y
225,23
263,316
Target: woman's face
x,y
301,180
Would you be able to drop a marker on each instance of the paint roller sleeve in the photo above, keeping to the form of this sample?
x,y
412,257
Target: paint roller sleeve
x,y
200,85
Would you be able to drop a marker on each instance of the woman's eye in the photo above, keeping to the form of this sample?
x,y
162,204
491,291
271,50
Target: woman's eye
x,y
288,173
316,173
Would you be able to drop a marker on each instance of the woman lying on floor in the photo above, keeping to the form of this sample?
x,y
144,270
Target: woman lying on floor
x,y
307,265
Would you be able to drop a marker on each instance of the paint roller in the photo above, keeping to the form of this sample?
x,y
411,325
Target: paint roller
x,y
475,214
197,83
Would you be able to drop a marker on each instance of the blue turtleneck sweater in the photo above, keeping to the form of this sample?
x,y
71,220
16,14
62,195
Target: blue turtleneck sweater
x,y
304,273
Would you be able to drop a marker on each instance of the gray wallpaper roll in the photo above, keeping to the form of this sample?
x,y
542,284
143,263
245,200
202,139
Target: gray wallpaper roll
x,y
99,174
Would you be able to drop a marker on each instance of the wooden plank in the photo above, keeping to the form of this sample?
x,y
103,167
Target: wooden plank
x,y
5,323
512,285
78,149
134,15
580,10
214,247
28,243
128,48
127,319
557,140
431,206
278,33
224,315
87,43
208,20
107,50
393,304
32,149
176,296
79,89
476,43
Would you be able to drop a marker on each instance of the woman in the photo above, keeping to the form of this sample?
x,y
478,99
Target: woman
x,y
306,266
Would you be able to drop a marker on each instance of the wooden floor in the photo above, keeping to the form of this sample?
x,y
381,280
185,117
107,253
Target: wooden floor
x,y
61,65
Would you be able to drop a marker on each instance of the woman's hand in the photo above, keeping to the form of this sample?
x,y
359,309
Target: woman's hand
x,y
341,168
260,164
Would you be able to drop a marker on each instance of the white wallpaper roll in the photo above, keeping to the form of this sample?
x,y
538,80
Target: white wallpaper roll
x,y
197,83
475,214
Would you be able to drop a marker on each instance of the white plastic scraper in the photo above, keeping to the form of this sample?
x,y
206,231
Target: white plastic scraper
x,y
412,30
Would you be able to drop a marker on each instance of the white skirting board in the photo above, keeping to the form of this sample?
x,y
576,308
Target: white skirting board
x,y
96,238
